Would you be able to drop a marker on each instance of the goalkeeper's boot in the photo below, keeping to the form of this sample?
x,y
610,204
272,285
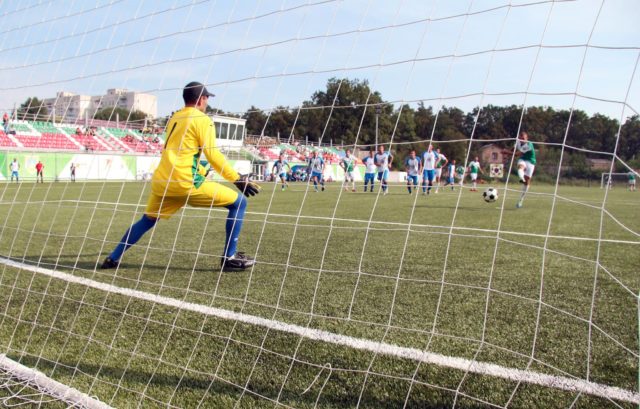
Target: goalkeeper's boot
x,y
519,204
237,262
109,263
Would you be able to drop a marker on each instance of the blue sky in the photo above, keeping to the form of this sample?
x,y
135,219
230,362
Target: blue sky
x,y
269,53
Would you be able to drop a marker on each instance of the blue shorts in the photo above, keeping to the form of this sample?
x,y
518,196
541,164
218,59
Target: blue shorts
x,y
283,175
384,175
412,178
316,175
369,177
14,173
428,175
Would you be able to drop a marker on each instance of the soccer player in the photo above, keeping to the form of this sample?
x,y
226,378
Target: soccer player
x,y
412,166
348,165
179,179
631,176
440,163
40,172
15,167
451,174
474,168
383,160
429,159
526,164
317,170
73,172
460,175
370,169
278,166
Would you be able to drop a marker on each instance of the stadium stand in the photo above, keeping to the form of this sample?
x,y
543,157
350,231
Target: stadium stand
x,y
6,141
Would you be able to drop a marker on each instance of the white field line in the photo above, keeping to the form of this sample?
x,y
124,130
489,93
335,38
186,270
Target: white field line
x,y
481,368
413,225
48,386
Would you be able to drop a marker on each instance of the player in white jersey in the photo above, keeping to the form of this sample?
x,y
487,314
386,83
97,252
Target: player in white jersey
x,y
348,164
370,170
429,159
451,174
279,169
440,163
412,166
383,162
317,170
15,167
474,168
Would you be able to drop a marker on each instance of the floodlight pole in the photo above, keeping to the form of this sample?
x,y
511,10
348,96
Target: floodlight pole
x,y
378,112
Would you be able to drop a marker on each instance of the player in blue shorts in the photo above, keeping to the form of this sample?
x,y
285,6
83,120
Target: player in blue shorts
x,y
370,169
429,159
317,170
383,160
412,166
278,167
451,174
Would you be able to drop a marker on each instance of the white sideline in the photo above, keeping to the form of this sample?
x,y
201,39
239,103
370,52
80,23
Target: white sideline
x,y
462,364
43,383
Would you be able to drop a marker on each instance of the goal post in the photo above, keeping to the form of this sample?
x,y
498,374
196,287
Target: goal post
x,y
614,179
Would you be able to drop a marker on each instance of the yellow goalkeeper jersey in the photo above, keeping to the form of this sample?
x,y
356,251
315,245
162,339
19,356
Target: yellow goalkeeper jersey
x,y
189,133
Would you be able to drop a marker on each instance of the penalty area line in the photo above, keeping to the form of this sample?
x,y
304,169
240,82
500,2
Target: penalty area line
x,y
462,364
48,386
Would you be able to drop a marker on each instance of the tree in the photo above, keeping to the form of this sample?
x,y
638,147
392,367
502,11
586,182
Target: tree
x,y
629,143
33,109
256,120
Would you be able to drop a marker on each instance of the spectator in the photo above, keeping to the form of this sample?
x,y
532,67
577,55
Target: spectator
x,y
78,131
5,122
40,172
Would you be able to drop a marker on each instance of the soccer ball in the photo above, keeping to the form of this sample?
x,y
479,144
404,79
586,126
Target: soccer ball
x,y
490,195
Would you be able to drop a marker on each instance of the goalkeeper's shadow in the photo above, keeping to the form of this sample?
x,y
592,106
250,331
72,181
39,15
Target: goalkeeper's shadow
x,y
91,262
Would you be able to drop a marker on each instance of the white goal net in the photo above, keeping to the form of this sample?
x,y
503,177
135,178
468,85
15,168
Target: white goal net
x,y
381,278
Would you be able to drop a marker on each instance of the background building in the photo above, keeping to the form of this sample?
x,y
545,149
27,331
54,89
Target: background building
x,y
71,106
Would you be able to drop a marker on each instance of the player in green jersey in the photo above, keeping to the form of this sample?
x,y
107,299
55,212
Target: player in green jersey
x,y
632,180
526,163
348,164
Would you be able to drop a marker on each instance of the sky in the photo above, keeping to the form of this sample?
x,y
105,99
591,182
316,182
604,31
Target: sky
x,y
270,53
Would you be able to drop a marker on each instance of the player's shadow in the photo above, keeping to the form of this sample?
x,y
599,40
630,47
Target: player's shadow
x,y
223,391
90,262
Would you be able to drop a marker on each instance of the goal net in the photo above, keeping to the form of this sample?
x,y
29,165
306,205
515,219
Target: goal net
x,y
391,290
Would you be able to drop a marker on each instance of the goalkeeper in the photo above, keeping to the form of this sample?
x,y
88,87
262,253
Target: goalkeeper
x,y
180,179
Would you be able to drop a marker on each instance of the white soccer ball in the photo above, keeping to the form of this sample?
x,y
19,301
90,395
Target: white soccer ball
x,y
490,195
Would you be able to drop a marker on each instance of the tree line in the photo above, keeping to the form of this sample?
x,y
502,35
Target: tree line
x,y
345,113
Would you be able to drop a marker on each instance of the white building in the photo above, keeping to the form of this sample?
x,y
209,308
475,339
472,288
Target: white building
x,y
71,106
230,131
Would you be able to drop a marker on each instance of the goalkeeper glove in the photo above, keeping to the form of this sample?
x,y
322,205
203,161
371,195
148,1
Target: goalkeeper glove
x,y
246,186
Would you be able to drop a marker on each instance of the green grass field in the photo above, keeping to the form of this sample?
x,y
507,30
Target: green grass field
x,y
422,272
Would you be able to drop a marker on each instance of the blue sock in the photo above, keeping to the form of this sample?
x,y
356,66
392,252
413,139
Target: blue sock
x,y
131,237
234,225
315,184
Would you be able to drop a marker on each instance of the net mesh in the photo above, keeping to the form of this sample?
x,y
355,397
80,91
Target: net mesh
x,y
358,299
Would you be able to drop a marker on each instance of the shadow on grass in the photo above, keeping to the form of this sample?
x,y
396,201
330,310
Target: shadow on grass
x,y
91,262
111,375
